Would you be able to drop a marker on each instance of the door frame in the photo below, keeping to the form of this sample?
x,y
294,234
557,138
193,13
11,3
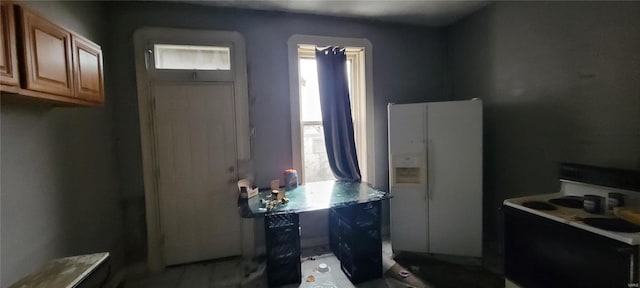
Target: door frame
x,y
143,37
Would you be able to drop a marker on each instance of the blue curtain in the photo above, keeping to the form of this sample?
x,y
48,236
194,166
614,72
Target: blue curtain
x,y
336,113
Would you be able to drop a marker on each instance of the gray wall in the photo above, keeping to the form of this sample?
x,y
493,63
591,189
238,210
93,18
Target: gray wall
x,y
59,181
408,67
560,82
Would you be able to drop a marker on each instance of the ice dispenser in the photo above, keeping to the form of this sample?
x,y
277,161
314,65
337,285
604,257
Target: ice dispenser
x,y
408,169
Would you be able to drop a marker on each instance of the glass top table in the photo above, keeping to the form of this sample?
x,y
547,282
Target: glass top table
x,y
313,196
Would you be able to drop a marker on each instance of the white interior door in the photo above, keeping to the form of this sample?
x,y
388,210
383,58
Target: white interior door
x,y
197,160
455,177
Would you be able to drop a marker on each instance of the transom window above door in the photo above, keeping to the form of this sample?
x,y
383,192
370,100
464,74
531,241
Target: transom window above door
x,y
174,61
191,57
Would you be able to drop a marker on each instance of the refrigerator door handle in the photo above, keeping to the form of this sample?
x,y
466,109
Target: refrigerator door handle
x,y
429,179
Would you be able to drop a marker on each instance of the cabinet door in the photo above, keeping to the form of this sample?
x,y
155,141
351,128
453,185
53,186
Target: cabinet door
x,y
47,53
8,56
87,64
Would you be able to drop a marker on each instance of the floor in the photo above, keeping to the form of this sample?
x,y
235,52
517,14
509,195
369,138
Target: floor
x,y
227,273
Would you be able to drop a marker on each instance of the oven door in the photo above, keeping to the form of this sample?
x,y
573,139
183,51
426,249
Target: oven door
x,y
544,253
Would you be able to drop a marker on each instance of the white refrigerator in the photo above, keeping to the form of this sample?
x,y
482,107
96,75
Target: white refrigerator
x,y
435,177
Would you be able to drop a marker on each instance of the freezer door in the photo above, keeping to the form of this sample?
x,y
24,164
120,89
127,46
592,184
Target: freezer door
x,y
407,179
454,136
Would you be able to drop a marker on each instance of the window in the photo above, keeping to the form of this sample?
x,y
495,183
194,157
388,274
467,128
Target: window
x,y
314,156
171,60
310,157
190,57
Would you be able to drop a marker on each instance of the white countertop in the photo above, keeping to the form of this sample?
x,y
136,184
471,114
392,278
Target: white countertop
x,y
63,272
572,217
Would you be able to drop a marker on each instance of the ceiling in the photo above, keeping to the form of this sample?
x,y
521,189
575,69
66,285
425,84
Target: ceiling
x,y
417,12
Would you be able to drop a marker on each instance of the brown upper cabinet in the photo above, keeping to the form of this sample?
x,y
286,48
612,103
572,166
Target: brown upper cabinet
x,y
8,51
47,55
87,61
55,64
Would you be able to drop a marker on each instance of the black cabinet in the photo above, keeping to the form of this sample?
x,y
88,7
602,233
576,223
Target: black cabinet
x,y
544,253
282,233
334,233
354,237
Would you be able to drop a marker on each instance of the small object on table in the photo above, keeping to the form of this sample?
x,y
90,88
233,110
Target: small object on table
x,y
272,204
311,278
290,179
251,192
246,189
243,193
275,184
275,187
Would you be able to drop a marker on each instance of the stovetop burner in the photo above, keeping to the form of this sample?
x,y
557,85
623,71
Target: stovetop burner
x,y
568,201
612,224
539,205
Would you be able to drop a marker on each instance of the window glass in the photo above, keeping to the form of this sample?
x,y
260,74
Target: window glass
x,y
190,57
316,163
309,92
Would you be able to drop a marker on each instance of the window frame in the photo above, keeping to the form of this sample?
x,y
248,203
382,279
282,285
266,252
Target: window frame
x,y
143,39
363,113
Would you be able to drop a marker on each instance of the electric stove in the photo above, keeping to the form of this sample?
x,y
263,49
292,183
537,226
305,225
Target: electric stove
x,y
552,235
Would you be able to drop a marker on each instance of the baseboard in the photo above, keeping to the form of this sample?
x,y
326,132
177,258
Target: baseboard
x,y
127,272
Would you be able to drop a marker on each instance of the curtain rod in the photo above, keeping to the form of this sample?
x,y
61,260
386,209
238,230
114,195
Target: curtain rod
x,y
313,47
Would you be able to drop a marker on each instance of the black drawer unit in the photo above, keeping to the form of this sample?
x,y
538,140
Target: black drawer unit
x,y
283,272
360,215
282,233
361,267
354,234
360,240
276,221
334,230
